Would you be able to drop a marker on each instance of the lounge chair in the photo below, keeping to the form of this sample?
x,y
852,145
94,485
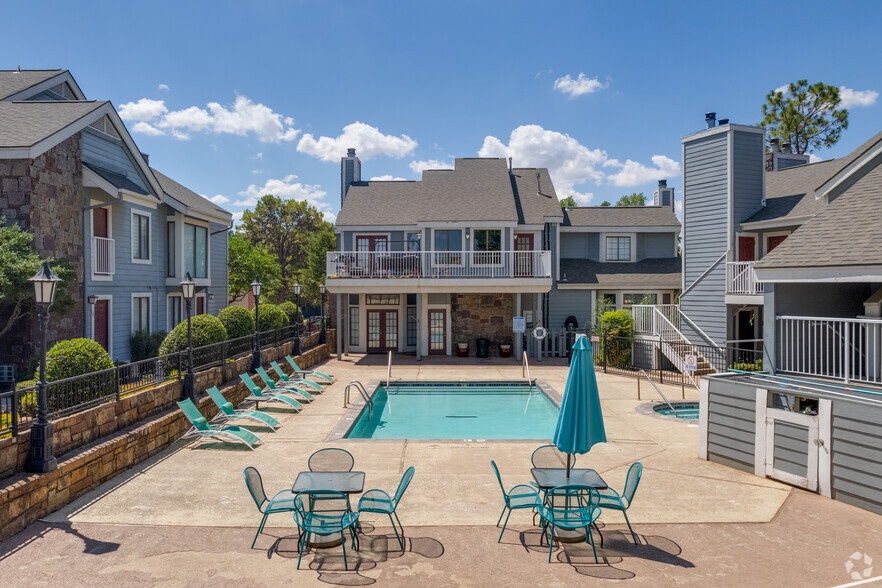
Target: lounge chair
x,y
203,430
228,413
611,499
258,396
569,507
279,387
294,381
518,497
378,501
282,501
325,520
304,373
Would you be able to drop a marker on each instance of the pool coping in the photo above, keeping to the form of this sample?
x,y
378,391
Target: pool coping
x,y
648,409
338,433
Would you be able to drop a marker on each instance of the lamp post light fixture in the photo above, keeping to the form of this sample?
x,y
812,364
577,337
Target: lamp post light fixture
x,y
188,289
296,350
255,357
323,336
41,458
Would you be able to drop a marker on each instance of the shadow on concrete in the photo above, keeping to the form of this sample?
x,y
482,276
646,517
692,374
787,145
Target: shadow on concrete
x,y
38,531
408,360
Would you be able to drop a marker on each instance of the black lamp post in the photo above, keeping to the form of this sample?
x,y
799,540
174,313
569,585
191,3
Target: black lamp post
x,y
41,458
188,288
255,357
323,336
297,327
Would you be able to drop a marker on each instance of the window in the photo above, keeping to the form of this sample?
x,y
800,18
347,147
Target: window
x,y
385,299
413,241
140,237
448,240
170,249
174,312
666,298
196,251
629,300
353,300
618,248
411,326
488,246
353,325
141,313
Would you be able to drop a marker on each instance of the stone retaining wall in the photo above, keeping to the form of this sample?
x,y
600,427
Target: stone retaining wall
x,y
138,426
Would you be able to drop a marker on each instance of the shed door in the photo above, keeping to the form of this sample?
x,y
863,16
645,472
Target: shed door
x,y
792,448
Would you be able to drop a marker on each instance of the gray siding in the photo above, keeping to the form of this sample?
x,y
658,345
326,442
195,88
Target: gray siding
x,y
218,264
791,449
857,455
563,303
105,151
731,424
580,246
705,190
747,174
656,245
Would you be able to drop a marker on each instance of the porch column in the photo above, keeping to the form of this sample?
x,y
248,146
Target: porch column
x,y
518,337
341,332
770,329
419,322
537,320
339,336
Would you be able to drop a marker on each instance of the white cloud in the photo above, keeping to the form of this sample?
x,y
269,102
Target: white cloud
x,y
329,216
367,140
783,89
419,166
146,128
581,85
814,158
258,156
632,173
219,199
258,171
242,118
852,98
144,109
288,189
163,87
387,178
237,216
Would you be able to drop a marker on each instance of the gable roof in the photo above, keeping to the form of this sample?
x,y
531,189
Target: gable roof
x,y
190,199
26,124
661,273
620,216
13,81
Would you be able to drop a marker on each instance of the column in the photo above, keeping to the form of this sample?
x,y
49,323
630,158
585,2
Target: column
x,y
339,336
518,337
419,322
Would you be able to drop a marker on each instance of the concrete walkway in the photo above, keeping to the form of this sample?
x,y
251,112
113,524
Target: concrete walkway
x,y
188,509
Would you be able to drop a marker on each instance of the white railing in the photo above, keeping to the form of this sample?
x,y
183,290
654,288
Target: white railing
x,y
845,349
741,279
438,264
103,258
644,317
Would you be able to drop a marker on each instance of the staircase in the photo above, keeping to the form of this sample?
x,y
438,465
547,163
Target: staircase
x,y
673,344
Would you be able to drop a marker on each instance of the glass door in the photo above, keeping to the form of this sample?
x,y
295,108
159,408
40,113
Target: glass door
x,y
437,332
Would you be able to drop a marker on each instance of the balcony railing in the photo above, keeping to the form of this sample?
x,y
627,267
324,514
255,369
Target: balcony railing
x,y
741,279
103,258
844,349
438,264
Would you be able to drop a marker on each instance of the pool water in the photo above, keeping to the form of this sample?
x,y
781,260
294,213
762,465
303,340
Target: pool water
x,y
454,410
685,410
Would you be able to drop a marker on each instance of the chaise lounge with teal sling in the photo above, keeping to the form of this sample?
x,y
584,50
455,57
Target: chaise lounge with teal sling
x,y
258,396
227,412
304,373
280,387
313,387
201,428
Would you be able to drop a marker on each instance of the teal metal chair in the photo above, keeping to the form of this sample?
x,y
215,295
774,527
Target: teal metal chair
x,y
331,459
257,394
518,497
282,501
304,373
291,380
612,500
279,388
549,456
378,501
569,507
323,512
202,429
229,413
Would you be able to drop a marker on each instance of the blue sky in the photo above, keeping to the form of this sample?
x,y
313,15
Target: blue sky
x,y
235,99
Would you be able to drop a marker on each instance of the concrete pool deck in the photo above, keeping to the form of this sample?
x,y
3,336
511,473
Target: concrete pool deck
x,y
188,507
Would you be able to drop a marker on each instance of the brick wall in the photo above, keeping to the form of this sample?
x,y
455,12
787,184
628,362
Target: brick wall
x,y
482,315
87,458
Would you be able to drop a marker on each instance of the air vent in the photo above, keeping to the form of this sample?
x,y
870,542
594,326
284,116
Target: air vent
x,y
104,125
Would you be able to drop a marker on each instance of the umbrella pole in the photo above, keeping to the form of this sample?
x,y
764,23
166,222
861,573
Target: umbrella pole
x,y
568,465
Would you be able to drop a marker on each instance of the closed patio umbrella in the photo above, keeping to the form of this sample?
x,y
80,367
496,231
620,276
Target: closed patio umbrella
x,y
580,422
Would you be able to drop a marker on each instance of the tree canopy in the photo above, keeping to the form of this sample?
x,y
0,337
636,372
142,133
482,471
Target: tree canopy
x,y
569,201
806,116
247,261
633,199
17,265
605,203
321,243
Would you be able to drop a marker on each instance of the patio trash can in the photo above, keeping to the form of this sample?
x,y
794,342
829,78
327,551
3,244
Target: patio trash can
x,y
482,347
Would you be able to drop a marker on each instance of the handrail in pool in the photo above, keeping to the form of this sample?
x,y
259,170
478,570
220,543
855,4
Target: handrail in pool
x,y
525,370
363,393
657,390
389,370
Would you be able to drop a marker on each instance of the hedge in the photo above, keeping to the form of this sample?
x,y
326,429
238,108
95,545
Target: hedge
x,y
75,357
207,329
271,317
144,345
237,321
294,315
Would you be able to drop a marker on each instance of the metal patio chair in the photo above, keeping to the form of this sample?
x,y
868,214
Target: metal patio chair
x,y
518,497
378,501
323,512
569,507
282,501
612,500
331,459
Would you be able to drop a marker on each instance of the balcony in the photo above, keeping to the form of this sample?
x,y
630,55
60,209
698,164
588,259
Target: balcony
x,y
103,256
413,271
741,279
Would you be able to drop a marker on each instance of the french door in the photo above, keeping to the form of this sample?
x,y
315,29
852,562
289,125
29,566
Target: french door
x,y
437,332
367,246
523,255
382,330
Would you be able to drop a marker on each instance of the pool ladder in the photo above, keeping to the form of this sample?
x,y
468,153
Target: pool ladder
x,y
660,393
367,399
525,370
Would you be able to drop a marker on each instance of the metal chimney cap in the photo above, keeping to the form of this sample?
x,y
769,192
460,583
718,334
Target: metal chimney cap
x,y
662,183
711,119
774,145
724,121
350,152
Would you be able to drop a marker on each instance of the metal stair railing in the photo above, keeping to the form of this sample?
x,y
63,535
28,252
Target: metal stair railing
x,y
660,393
367,399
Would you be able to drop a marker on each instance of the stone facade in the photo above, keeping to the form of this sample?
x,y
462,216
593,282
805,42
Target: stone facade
x,y
482,315
44,196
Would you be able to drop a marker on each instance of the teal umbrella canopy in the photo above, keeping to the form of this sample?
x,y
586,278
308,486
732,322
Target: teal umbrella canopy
x,y
580,422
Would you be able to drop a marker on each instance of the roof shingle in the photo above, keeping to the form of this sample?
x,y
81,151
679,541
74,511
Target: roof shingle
x,y
13,81
663,273
620,216
25,124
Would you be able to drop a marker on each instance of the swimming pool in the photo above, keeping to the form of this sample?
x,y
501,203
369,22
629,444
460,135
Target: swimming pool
x,y
684,410
457,410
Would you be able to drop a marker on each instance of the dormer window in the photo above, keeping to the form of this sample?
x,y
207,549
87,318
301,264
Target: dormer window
x,y
618,248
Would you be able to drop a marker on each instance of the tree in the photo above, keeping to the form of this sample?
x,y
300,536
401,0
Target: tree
x,y
247,261
605,203
633,199
320,244
569,201
17,265
806,116
284,228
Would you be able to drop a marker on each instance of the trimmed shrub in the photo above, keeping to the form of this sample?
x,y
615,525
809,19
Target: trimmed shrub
x,y
294,315
237,321
617,327
207,329
145,345
271,317
756,366
75,357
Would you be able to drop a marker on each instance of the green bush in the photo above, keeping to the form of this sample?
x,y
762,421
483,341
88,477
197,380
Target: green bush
x,y
617,327
294,314
756,366
271,317
144,345
75,357
207,329
237,321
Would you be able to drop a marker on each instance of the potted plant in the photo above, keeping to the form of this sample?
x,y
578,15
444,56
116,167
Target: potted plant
x,y
462,349
504,350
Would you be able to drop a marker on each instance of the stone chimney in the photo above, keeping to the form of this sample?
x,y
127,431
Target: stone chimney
x,y
350,172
